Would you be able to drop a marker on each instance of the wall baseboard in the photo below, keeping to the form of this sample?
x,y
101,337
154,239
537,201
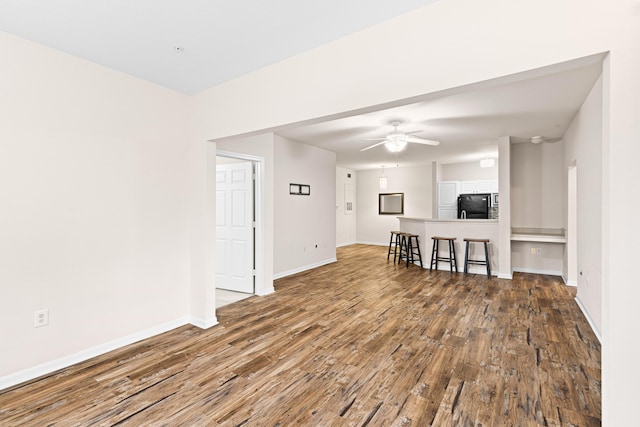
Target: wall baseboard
x,y
589,319
505,276
346,244
266,291
203,324
81,356
569,282
535,271
305,268
372,243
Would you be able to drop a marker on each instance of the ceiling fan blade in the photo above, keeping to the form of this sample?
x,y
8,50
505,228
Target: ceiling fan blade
x,y
552,140
374,145
423,141
374,139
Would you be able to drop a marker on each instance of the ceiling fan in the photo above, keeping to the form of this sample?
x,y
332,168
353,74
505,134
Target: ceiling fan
x,y
396,141
536,139
539,139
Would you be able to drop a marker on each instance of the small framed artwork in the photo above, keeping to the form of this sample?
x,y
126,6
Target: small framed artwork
x,y
300,189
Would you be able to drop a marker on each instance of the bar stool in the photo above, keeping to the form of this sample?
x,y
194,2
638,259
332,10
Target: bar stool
x,y
395,247
451,259
407,249
468,261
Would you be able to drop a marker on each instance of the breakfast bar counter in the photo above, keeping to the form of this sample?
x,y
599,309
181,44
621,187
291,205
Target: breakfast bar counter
x,y
426,228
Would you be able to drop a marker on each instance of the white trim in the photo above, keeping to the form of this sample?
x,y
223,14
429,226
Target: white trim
x,y
201,323
505,276
266,291
589,319
569,282
372,243
81,356
535,271
346,244
305,268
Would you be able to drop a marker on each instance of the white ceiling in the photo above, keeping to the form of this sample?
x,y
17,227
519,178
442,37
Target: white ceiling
x,y
222,39
467,124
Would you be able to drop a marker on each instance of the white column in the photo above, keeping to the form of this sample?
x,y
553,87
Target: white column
x,y
435,178
504,221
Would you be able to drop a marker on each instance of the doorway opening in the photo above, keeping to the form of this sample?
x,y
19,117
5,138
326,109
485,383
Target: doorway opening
x,y
238,244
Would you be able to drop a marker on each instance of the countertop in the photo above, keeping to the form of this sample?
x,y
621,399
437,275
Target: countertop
x,y
548,235
482,221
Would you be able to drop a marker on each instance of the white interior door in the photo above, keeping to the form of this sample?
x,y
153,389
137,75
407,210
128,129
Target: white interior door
x,y
234,227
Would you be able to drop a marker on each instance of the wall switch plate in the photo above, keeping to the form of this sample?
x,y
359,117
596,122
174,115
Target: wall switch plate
x,y
40,318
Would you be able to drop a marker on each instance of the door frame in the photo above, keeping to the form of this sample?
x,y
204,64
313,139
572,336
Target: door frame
x,y
258,203
572,225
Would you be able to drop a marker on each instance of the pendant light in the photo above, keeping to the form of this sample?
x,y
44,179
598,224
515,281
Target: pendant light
x,y
382,180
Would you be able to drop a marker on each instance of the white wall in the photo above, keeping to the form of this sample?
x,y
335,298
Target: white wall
x,y
414,182
93,208
467,171
537,197
345,222
304,226
584,147
550,260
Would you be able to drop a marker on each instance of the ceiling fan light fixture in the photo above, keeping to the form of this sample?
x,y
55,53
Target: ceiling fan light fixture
x,y
395,145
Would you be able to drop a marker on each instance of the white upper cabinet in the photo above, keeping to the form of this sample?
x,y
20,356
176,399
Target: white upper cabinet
x,y
482,186
468,187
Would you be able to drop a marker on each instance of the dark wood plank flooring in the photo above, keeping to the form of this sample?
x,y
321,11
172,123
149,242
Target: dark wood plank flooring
x,y
361,342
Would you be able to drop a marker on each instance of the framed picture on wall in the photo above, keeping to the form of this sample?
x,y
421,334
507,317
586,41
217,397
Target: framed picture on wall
x,y
300,189
391,204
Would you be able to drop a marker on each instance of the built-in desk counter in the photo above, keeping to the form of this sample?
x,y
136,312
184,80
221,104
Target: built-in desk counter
x,y
426,228
538,250
542,235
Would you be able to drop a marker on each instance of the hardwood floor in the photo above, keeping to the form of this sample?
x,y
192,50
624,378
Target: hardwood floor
x,y
361,342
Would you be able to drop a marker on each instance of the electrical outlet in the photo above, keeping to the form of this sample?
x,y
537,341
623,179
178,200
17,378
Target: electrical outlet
x,y
533,251
40,318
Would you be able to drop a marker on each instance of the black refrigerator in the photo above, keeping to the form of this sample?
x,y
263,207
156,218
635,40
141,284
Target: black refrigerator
x,y
474,206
